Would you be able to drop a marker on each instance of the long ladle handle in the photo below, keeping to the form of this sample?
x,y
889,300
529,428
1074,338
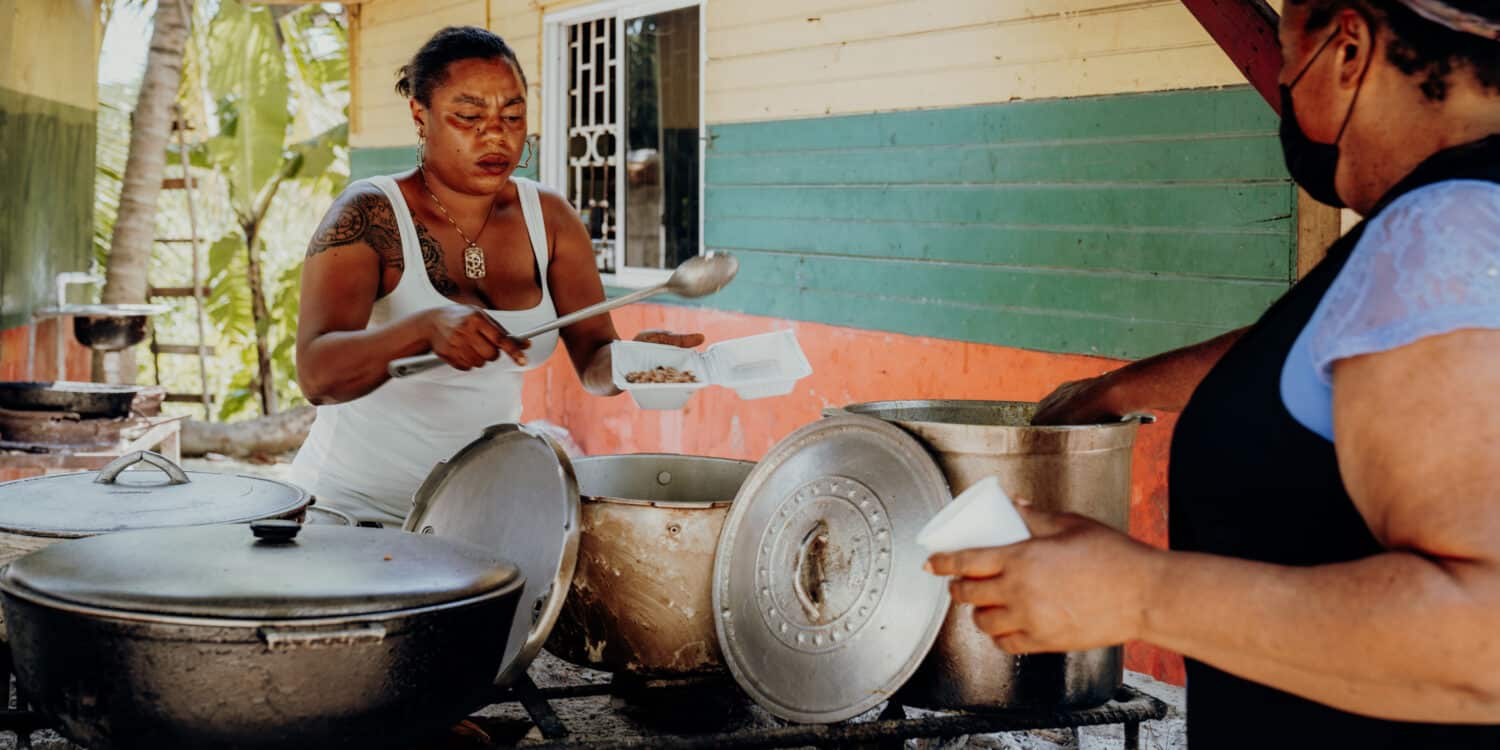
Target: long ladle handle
x,y
400,368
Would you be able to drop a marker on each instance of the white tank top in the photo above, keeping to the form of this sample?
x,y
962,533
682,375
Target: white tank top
x,y
368,456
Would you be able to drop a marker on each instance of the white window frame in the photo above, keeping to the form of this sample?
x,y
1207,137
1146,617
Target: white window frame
x,y
554,146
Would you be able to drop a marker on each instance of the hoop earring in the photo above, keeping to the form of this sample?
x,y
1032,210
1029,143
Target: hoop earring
x,y
528,151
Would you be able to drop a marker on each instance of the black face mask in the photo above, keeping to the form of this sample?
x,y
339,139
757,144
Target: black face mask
x,y
1313,165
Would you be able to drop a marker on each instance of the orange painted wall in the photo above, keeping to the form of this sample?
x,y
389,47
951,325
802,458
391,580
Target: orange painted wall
x,y
849,366
13,354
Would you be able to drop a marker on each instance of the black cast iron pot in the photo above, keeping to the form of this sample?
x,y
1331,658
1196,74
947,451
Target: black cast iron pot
x,y
271,636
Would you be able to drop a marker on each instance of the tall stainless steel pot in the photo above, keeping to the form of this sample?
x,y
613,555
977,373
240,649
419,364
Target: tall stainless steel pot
x,y
641,600
1080,469
297,637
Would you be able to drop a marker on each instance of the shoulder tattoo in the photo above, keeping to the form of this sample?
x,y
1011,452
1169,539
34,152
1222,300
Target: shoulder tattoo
x,y
365,217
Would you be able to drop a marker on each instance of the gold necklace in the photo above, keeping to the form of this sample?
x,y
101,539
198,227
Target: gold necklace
x,y
473,253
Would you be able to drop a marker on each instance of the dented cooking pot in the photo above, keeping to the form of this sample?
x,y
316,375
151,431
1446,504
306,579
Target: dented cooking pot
x,y
641,597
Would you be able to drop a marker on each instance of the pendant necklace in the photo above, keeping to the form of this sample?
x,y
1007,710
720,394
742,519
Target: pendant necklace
x,y
473,253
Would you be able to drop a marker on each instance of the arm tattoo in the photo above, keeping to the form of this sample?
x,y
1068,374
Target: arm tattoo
x,y
365,217
432,258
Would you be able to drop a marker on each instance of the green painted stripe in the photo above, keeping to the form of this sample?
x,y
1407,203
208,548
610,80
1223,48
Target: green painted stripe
x,y
1203,302
1027,329
1117,225
1169,114
1041,330
46,225
1249,254
368,162
1149,205
1235,158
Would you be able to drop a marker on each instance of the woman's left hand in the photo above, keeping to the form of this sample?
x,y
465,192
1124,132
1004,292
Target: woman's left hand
x,y
684,340
1076,585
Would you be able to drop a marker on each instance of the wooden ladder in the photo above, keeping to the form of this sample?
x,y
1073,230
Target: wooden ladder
x,y
196,292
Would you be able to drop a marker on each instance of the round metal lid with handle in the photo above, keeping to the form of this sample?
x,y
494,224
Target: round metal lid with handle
x,y
85,503
512,491
820,601
271,570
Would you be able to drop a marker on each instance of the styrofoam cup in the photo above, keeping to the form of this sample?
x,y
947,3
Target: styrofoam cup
x,y
982,516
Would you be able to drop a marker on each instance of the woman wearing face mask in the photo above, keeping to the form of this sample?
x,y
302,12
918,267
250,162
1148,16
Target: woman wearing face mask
x,y
446,257
1334,579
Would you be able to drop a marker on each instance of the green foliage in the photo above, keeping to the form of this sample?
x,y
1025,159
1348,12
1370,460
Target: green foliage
x,y
274,87
285,307
110,151
228,302
247,78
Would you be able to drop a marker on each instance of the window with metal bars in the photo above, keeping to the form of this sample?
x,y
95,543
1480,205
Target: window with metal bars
x,y
623,116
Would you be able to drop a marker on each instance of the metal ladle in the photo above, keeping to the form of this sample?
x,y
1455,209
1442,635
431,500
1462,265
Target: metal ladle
x,y
696,277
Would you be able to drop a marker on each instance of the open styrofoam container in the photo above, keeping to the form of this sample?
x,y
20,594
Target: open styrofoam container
x,y
761,366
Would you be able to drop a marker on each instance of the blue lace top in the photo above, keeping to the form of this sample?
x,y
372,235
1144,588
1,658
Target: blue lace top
x,y
1428,265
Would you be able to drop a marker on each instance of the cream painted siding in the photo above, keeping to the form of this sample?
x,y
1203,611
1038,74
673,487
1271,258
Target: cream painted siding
x,y
781,59
520,25
385,36
47,50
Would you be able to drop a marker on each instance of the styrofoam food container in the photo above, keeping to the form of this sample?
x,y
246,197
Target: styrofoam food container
x,y
981,516
760,366
634,356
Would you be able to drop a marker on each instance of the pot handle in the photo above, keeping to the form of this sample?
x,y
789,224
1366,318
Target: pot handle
x,y
808,578
1139,416
278,639
111,472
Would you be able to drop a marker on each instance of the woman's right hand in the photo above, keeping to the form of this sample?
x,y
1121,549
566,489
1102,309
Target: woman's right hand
x,y
1088,401
466,337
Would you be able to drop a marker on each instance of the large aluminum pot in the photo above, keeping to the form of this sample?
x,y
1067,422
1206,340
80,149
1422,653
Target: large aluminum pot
x,y
642,595
298,636
1079,469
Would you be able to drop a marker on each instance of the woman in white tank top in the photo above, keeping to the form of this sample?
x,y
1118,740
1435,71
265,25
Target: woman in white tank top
x,y
412,263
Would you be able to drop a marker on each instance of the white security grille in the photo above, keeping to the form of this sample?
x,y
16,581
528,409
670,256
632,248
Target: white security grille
x,y
594,132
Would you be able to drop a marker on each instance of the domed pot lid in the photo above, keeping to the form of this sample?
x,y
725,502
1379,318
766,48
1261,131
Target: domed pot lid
x,y
267,570
114,499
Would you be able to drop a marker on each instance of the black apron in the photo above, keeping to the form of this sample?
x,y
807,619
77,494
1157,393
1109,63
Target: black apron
x,y
1249,481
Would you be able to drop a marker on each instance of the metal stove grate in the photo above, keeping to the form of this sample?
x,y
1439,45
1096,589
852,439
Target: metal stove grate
x,y
894,724
541,726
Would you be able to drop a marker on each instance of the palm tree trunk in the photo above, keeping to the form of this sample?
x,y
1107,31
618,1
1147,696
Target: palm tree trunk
x,y
151,127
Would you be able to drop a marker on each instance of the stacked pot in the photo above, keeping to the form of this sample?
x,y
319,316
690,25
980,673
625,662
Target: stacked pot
x,y
1075,469
165,608
798,574
808,585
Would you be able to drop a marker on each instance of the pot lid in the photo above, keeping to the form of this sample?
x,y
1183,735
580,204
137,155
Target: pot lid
x,y
274,569
511,491
86,503
820,601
